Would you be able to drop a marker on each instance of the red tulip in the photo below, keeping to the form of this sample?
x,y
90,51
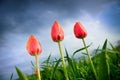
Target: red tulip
x,y
79,30
33,46
57,33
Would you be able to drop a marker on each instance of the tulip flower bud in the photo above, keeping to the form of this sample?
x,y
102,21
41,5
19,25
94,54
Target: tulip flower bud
x,y
79,30
57,33
33,46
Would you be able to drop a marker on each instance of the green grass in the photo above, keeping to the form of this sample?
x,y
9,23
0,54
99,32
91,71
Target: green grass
x,y
105,60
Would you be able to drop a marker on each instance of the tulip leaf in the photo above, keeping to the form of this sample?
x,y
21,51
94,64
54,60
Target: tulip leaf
x,y
20,74
81,49
103,65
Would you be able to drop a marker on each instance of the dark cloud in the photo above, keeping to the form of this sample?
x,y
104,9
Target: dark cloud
x,y
22,15
28,16
73,6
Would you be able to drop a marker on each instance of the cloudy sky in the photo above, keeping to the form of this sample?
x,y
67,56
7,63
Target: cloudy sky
x,y
21,18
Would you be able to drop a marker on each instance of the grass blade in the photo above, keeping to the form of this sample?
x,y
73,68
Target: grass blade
x,y
32,64
55,68
72,67
11,76
96,51
112,46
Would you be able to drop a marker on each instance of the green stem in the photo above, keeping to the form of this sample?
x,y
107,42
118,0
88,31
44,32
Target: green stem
x,y
63,61
92,66
37,66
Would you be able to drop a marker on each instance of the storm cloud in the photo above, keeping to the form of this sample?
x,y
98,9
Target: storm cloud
x,y
19,16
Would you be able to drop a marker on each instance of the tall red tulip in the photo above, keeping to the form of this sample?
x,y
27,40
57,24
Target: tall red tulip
x,y
33,46
57,35
57,32
81,33
79,30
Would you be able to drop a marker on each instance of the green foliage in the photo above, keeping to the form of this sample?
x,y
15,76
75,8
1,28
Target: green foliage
x,y
11,76
105,60
78,50
20,74
102,66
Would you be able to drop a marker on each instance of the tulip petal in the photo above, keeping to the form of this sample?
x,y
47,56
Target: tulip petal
x,y
57,32
79,30
33,46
